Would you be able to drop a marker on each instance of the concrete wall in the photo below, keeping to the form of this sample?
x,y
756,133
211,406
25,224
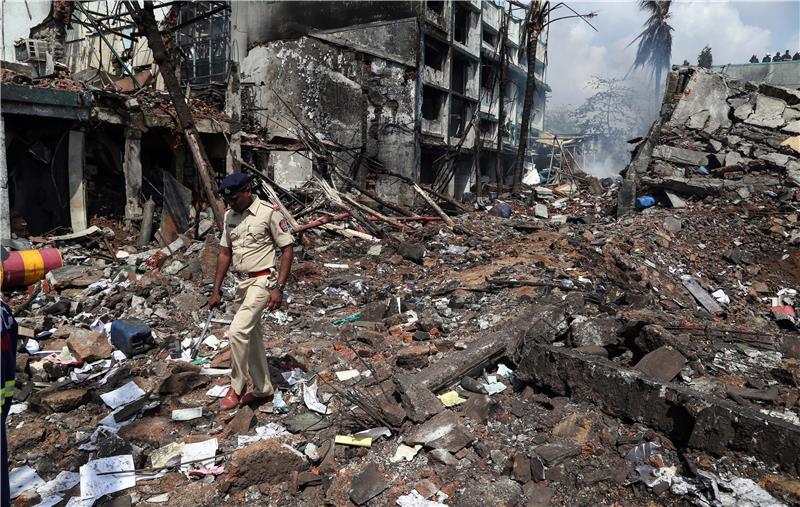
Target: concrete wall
x,y
265,21
778,73
291,169
349,97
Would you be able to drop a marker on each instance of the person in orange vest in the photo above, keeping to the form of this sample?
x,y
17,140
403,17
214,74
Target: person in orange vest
x,y
8,368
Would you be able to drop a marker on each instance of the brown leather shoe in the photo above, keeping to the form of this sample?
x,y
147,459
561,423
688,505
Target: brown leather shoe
x,y
231,400
249,398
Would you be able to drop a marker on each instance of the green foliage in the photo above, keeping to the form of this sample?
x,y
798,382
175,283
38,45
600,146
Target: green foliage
x,y
655,41
704,59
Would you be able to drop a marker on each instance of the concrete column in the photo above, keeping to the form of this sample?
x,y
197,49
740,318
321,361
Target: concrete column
x,y
76,158
132,168
5,206
234,154
233,108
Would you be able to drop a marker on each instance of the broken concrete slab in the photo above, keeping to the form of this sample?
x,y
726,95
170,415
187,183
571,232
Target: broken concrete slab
x,y
662,364
672,224
675,201
705,91
367,485
768,113
64,400
601,332
419,402
702,297
687,416
681,156
788,95
444,457
477,408
266,461
243,421
521,468
540,211
444,431
89,346
73,276
555,454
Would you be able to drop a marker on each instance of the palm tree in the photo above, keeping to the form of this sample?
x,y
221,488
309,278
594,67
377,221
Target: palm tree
x,y
655,41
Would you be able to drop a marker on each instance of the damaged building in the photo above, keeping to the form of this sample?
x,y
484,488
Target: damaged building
x,y
410,87
530,349
88,129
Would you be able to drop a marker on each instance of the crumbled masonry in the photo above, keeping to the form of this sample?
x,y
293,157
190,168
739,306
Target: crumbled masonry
x,y
650,359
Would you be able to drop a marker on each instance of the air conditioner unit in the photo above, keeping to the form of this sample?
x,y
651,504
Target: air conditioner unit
x,y
36,53
31,50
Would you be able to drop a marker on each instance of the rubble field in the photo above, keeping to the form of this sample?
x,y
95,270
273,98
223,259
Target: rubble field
x,y
572,359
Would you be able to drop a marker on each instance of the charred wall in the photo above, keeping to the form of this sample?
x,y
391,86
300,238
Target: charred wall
x,y
352,98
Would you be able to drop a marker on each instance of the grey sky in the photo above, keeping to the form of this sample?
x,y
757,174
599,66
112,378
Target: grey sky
x,y
734,30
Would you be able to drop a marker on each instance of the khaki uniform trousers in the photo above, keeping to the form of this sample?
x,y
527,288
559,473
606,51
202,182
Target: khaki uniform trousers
x,y
247,346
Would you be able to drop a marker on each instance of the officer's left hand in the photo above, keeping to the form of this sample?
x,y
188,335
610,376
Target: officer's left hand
x,y
275,299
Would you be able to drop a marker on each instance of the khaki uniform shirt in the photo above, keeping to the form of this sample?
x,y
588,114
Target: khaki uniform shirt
x,y
253,235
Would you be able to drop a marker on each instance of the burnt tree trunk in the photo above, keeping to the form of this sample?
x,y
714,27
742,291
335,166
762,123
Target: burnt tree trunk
x,y
533,32
146,24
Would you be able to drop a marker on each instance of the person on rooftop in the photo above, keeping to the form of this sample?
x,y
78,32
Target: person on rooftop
x,y
766,59
754,58
796,56
786,56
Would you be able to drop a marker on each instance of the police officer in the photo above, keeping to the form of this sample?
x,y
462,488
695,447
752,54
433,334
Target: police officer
x,y
253,232
786,56
766,59
754,58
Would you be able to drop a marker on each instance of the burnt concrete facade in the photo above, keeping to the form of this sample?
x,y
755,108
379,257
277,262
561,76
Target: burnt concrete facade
x,y
405,84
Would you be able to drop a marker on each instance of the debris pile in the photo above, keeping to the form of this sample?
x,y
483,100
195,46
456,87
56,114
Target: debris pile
x,y
719,137
532,351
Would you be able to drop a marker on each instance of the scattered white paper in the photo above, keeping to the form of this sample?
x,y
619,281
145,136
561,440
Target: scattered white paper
x,y
405,452
205,451
212,342
271,430
187,414
163,455
32,346
347,374
128,393
336,266
374,433
215,372
95,486
118,355
18,408
50,501
292,377
311,401
504,371
492,386
721,297
415,499
21,479
50,490
218,391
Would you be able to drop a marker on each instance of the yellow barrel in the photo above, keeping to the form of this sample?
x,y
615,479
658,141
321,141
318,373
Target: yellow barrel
x,y
26,267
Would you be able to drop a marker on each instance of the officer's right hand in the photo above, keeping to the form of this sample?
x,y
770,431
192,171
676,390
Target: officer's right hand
x,y
214,299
